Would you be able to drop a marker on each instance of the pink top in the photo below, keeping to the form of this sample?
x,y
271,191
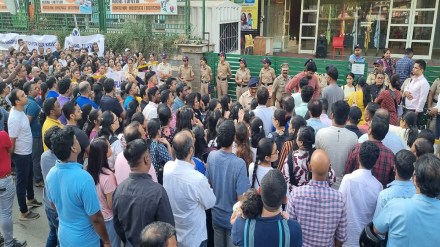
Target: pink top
x,y
107,184
122,169
92,134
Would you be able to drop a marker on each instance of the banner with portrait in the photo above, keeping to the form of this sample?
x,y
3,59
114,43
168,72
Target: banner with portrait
x,y
249,14
144,7
66,6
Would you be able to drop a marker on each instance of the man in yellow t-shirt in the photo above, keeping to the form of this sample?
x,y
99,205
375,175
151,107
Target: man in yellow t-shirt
x,y
52,109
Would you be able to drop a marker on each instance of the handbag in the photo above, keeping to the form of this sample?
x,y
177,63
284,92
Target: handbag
x,y
399,108
369,238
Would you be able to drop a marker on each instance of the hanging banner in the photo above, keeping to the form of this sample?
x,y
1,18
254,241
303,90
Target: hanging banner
x,y
33,41
249,14
144,7
3,8
79,42
66,6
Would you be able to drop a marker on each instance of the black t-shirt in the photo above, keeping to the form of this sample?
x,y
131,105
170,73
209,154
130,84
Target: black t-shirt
x,y
111,104
83,140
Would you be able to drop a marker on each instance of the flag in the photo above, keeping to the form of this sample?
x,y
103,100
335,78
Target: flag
x,y
342,29
368,29
328,32
355,27
377,32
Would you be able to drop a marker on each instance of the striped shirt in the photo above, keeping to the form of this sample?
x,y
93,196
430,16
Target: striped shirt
x,y
321,212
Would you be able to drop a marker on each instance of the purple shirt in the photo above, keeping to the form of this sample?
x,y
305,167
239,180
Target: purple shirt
x,y
63,100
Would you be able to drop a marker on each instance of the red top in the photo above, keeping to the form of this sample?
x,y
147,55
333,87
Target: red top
x,y
5,159
386,101
294,84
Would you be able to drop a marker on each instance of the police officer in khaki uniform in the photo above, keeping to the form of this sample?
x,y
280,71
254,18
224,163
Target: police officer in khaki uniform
x,y
378,67
267,74
247,97
164,69
205,76
186,73
223,74
278,90
242,77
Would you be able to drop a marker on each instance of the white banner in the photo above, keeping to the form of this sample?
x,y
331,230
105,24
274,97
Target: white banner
x,y
33,41
86,42
117,76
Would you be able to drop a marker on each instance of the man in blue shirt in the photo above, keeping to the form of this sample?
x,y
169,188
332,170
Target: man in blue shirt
x,y
270,228
357,56
404,65
72,192
52,88
32,110
131,89
228,177
262,111
402,187
179,101
85,90
414,221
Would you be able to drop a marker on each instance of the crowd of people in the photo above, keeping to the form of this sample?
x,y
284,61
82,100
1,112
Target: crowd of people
x,y
148,161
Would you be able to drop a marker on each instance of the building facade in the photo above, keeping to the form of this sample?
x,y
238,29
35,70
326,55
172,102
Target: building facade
x,y
374,25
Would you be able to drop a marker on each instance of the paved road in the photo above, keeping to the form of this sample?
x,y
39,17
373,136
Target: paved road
x,y
34,232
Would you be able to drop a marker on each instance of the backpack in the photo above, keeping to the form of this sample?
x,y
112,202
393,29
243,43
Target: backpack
x,y
249,233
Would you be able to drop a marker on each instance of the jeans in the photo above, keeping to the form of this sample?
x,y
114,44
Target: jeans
x,y
37,151
113,236
24,175
222,236
52,218
6,202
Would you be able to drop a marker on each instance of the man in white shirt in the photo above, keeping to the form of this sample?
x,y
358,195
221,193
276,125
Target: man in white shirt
x,y
416,92
189,193
262,111
150,110
360,190
21,138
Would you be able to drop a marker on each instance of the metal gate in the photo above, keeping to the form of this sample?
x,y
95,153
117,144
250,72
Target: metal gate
x,y
229,37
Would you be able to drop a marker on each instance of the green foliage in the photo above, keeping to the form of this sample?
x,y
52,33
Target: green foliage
x,y
139,37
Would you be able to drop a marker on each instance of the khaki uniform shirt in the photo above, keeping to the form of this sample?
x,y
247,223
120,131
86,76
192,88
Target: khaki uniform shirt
x,y
243,75
205,73
371,79
223,70
267,75
435,87
245,100
186,72
279,86
164,69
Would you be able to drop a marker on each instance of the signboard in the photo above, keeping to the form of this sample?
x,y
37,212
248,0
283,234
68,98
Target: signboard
x,y
3,8
33,41
358,68
144,7
249,14
66,6
86,42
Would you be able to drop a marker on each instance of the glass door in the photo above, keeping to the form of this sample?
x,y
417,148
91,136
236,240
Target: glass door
x,y
412,25
308,31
